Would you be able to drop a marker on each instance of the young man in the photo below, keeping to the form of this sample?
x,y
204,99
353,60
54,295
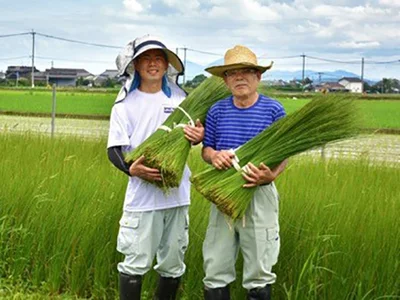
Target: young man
x,y
153,223
230,123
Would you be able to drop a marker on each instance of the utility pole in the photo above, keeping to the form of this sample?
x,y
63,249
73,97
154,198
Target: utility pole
x,y
33,59
362,75
184,64
304,66
319,77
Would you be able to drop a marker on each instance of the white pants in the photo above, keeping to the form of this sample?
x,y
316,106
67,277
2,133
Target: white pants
x,y
164,233
256,235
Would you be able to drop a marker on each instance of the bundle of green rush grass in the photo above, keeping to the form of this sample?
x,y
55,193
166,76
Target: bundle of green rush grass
x,y
167,148
323,120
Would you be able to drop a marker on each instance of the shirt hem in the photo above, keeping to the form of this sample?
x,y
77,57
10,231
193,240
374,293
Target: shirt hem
x,y
132,209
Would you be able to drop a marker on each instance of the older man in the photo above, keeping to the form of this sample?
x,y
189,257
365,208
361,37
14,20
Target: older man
x,y
153,223
230,123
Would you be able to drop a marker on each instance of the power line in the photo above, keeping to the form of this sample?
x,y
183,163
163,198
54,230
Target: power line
x,y
76,41
333,60
382,62
16,57
281,57
71,60
14,34
203,52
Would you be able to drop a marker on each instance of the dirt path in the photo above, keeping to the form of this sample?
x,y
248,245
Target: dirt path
x,y
378,147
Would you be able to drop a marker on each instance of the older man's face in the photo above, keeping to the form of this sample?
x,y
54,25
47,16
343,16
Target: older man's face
x,y
242,82
151,65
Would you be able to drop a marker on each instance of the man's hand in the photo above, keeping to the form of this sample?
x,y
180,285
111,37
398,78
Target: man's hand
x,y
138,169
194,134
222,160
258,176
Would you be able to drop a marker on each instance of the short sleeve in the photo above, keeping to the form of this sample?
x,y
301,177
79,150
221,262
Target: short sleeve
x,y
118,133
279,112
209,130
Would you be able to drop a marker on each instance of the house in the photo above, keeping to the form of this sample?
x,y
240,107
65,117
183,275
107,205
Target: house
x,y
107,74
330,87
353,84
19,71
40,76
279,82
64,77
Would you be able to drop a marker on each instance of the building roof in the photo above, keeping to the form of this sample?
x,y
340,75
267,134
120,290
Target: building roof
x,y
351,79
332,85
40,75
20,69
110,73
66,73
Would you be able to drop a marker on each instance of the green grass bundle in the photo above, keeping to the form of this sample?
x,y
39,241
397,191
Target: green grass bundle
x,y
167,151
323,120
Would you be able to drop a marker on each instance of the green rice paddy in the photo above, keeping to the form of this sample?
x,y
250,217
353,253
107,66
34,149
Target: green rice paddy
x,y
378,113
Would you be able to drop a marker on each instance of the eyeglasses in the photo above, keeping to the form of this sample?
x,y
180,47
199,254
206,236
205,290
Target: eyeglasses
x,y
234,73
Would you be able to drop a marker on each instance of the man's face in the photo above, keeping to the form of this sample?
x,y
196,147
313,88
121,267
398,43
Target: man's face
x,y
242,82
151,65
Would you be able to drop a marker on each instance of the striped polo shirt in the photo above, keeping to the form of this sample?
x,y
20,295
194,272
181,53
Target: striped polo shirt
x,y
228,127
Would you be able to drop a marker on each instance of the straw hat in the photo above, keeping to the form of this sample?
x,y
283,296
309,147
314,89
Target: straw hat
x,y
141,45
238,57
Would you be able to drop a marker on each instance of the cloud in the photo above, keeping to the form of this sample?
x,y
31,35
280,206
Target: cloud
x,y
391,3
251,10
323,28
182,5
134,6
358,45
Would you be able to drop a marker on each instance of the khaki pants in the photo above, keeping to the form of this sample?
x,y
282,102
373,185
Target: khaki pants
x,y
256,235
164,233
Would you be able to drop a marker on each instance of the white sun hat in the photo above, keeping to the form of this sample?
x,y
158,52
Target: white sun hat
x,y
141,45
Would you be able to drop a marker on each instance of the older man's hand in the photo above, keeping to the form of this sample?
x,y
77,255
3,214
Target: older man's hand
x,y
258,176
222,160
194,134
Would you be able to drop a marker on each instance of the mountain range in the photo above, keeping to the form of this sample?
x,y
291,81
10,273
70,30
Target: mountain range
x,y
193,69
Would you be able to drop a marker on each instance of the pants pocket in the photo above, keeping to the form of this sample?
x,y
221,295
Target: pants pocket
x,y
184,237
268,244
128,235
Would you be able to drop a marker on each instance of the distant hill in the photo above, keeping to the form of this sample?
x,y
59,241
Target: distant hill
x,y
315,76
193,69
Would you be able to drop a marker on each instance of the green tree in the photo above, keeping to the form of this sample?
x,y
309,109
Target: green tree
x,y
109,83
196,81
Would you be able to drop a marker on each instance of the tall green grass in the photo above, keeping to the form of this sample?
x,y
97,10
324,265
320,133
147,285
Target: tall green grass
x,y
60,202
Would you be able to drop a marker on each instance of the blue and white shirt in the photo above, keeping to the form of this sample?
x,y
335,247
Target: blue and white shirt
x,y
228,127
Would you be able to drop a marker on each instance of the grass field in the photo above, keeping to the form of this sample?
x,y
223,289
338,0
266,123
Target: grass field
x,y
61,201
67,102
377,113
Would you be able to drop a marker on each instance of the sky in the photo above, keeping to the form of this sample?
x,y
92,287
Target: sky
x,y
333,34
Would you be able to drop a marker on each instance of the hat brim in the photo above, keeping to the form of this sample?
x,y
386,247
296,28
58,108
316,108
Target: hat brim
x,y
220,70
173,59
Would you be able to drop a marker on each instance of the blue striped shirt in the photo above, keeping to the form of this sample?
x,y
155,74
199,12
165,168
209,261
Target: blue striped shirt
x,y
228,127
